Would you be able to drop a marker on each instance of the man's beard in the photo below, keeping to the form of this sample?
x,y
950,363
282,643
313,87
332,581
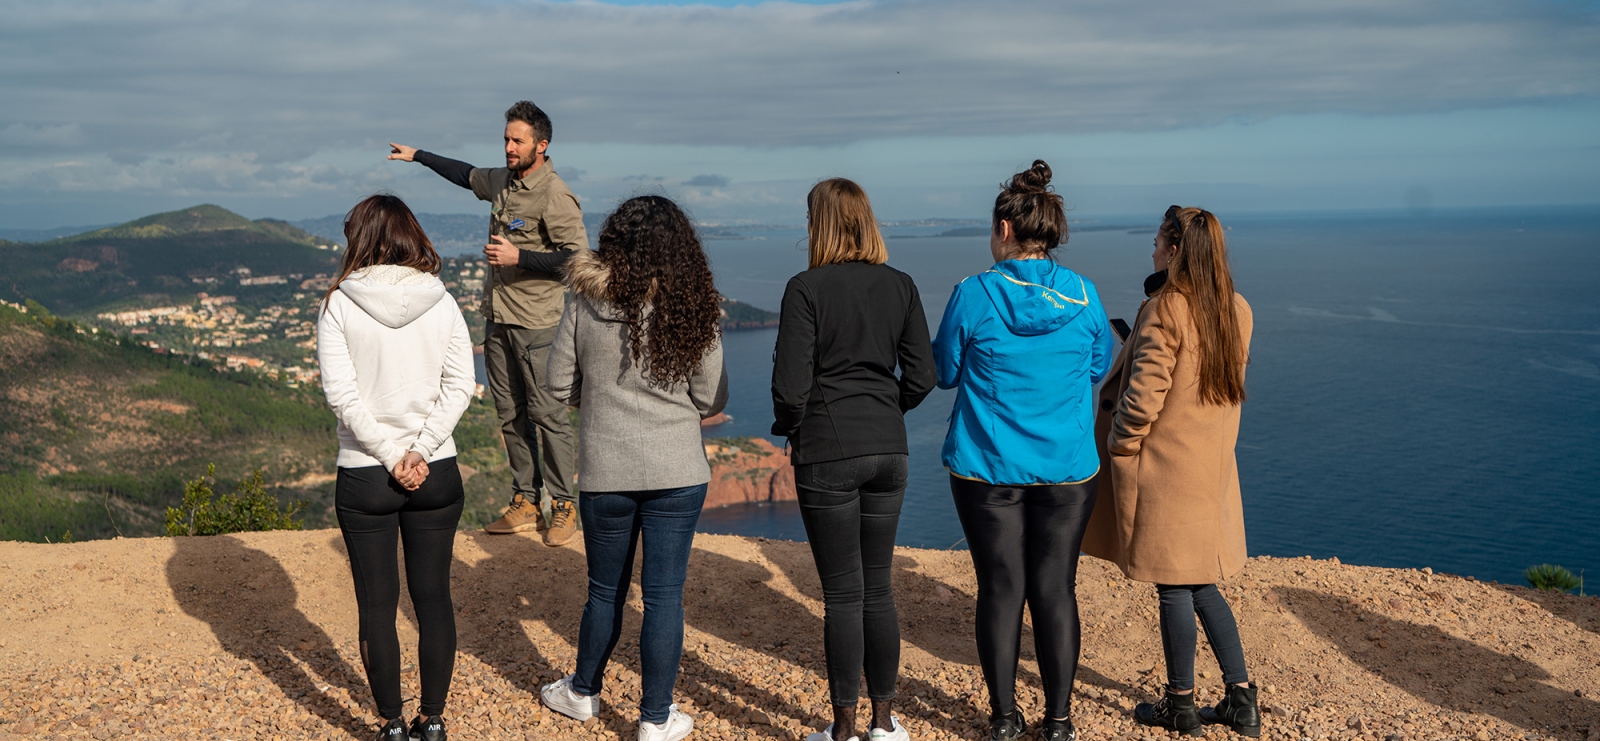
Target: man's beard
x,y
519,163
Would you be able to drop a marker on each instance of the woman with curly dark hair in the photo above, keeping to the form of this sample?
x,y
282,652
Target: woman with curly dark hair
x,y
639,352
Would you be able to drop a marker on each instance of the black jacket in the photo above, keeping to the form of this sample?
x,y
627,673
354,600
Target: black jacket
x,y
843,330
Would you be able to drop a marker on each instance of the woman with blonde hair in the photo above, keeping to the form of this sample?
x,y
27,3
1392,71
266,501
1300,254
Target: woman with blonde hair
x,y
1170,512
396,365
847,324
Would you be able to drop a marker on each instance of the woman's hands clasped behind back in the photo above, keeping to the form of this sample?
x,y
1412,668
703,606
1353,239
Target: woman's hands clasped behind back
x,y
411,471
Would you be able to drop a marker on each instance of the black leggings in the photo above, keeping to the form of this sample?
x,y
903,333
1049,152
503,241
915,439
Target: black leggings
x,y
1179,605
1024,542
374,512
851,509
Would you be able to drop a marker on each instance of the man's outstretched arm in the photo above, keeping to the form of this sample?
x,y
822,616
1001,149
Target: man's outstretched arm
x,y
455,171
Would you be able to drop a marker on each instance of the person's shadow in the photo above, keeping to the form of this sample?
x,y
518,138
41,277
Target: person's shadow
x,y
1583,612
249,602
1439,668
521,580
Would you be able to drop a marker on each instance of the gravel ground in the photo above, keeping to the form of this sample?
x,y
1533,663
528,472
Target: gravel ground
x,y
254,636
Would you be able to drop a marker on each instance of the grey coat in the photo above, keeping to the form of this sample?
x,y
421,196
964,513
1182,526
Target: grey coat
x,y
632,435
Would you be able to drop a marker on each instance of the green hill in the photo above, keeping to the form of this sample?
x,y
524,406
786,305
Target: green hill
x,y
159,259
99,432
202,218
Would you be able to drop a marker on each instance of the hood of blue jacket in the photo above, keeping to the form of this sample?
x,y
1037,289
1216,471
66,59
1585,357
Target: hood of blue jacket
x,y
1035,297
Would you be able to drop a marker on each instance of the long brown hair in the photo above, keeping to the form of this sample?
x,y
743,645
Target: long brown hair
x,y
841,226
1199,272
660,281
1038,217
381,230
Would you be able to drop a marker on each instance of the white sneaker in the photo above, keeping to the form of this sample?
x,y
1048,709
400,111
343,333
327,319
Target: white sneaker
x,y
898,734
675,728
826,734
560,697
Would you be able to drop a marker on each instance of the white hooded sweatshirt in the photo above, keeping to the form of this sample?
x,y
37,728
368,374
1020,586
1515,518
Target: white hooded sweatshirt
x,y
396,366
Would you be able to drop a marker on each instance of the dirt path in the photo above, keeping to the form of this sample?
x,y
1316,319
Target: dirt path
x,y
254,636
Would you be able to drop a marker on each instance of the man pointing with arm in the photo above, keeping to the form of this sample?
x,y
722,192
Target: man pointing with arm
x,y
535,224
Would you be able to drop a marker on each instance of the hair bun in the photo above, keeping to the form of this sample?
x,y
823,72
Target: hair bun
x,y
1035,179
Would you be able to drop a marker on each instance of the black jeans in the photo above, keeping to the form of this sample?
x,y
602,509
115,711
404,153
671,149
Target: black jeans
x,y
374,513
1179,605
1024,542
851,509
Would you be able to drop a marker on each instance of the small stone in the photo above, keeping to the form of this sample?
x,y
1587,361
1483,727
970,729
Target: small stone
x,y
760,718
1427,570
1357,724
1509,678
1396,604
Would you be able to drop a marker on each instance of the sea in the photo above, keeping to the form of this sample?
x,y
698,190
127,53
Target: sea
x,y
1423,387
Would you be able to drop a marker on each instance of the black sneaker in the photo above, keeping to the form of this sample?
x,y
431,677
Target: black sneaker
x,y
394,730
428,729
1173,712
1007,727
1051,729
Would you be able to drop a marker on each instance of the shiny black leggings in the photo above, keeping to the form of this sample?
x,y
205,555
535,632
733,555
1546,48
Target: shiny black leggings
x,y
1024,542
375,515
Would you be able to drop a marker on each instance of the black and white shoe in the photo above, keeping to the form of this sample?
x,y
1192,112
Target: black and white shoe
x,y
394,730
430,728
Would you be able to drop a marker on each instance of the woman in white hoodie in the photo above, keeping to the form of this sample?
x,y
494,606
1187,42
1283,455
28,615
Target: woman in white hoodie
x,y
397,369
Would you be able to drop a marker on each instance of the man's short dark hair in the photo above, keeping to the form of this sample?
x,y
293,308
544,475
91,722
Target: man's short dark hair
x,y
528,113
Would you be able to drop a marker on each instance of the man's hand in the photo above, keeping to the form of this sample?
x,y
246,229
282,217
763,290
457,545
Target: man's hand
x,y
402,152
501,252
411,471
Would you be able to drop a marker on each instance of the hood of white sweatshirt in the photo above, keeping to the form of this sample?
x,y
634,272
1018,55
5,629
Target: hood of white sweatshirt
x,y
394,295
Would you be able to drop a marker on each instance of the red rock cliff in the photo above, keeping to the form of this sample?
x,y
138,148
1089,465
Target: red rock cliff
x,y
747,470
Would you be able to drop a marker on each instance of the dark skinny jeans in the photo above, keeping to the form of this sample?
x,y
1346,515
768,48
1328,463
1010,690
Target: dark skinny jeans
x,y
376,514
613,523
851,509
1024,542
1179,605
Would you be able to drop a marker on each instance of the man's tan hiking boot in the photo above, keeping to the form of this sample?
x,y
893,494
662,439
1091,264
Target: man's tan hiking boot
x,y
563,524
521,516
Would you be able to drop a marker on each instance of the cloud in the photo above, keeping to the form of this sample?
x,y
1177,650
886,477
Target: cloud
x,y
284,80
706,181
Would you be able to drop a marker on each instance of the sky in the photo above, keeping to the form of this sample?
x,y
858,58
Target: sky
x,y
119,108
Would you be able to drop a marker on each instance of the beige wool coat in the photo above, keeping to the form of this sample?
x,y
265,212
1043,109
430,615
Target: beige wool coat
x,y
1168,509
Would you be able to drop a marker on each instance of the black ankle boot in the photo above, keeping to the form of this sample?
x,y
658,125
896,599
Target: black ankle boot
x,y
1237,710
1051,729
1173,712
394,730
430,728
1007,727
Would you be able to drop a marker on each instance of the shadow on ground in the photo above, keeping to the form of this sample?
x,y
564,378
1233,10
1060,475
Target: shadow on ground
x,y
251,609
1439,668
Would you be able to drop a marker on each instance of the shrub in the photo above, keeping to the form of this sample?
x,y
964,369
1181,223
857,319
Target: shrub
x,y
1551,578
250,508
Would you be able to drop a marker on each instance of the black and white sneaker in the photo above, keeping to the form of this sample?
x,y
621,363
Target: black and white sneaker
x,y
394,730
430,728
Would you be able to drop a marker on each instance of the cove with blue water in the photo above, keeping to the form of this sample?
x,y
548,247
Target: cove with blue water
x,y
1424,390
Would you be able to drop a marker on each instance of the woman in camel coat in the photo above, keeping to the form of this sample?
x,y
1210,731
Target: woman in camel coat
x,y
1169,511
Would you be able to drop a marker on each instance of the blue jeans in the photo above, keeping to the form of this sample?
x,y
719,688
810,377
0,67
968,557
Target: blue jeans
x,y
612,524
1179,605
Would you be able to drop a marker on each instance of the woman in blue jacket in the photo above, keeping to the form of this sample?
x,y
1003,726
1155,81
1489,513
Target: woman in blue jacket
x,y
1024,343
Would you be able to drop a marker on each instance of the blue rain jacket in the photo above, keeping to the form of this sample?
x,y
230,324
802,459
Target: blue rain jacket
x,y
1024,343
